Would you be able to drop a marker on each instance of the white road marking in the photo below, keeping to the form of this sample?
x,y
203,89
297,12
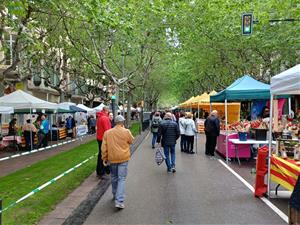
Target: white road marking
x,y
265,200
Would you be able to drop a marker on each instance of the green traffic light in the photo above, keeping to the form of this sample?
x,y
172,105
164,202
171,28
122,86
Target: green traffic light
x,y
247,23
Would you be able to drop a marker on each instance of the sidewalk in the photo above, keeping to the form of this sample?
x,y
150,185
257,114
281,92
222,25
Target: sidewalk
x,y
201,192
12,165
77,206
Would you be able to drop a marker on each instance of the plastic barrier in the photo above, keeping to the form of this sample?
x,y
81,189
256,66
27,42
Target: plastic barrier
x,y
261,171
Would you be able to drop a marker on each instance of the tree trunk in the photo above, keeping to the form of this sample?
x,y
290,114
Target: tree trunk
x,y
91,103
128,117
62,97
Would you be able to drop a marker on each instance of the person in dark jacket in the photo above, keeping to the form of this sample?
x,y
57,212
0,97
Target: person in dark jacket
x,y
212,131
168,133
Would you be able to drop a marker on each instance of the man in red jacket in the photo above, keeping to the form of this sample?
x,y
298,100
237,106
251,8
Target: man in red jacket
x,y
103,124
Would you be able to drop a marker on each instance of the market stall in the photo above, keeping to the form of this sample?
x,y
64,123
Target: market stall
x,y
89,110
244,88
25,103
283,162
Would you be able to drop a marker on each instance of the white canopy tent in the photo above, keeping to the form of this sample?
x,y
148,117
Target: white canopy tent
x,y
285,83
99,107
65,105
89,110
22,100
6,110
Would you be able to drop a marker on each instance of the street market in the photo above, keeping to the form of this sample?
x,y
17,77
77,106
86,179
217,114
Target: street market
x,y
149,112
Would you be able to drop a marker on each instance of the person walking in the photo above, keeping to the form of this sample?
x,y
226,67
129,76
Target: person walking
x,y
168,133
92,124
181,123
12,128
155,122
212,131
103,124
44,130
116,153
190,131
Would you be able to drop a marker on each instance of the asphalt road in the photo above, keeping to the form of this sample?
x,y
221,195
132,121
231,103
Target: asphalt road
x,y
201,192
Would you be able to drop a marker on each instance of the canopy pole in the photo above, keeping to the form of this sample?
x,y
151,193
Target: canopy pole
x,y
226,131
270,145
290,106
31,147
50,123
198,111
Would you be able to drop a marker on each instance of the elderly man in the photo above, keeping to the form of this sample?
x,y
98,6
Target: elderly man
x,y
212,131
168,133
116,152
103,124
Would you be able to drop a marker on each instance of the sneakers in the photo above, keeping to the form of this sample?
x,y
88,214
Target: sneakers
x,y
173,170
169,170
120,205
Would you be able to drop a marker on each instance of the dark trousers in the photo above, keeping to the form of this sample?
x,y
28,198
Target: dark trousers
x,y
189,143
101,169
210,146
43,140
183,142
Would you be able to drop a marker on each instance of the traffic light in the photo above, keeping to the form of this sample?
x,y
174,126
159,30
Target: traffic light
x,y
247,23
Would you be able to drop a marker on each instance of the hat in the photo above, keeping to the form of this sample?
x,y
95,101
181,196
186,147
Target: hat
x,y
119,119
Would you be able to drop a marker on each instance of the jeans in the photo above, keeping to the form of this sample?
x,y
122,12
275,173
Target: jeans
x,y
154,138
171,149
118,173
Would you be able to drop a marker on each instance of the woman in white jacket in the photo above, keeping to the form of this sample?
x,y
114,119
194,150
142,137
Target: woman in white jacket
x,y
181,124
190,131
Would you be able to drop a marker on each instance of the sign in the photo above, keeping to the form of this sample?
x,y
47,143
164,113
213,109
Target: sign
x,y
81,130
19,86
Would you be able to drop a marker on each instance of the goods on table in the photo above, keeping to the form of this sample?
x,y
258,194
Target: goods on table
x,y
242,126
288,148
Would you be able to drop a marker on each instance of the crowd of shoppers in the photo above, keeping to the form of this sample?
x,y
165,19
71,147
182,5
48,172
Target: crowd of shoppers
x,y
166,128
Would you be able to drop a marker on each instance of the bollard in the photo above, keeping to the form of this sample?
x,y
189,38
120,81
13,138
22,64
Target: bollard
x,y
0,211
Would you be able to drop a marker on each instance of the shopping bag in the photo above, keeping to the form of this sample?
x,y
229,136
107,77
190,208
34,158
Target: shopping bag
x,y
159,156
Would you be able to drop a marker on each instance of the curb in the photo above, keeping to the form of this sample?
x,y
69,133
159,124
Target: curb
x,y
83,210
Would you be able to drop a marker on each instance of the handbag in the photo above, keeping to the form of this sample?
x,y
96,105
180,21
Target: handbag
x,y
159,156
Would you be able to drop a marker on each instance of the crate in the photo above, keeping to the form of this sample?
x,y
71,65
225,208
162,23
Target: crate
x,y
294,216
260,134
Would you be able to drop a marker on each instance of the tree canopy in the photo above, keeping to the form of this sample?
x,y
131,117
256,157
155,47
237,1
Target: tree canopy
x,y
152,51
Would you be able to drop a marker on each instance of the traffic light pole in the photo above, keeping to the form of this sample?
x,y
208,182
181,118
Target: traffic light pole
x,y
279,20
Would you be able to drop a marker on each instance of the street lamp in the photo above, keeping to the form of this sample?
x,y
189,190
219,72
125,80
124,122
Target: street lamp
x,y
113,99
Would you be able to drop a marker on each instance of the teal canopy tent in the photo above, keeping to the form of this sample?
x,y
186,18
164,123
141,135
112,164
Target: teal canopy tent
x,y
244,88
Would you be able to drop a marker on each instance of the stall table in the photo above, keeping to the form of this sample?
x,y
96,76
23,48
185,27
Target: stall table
x,y
244,150
15,140
284,172
237,143
62,133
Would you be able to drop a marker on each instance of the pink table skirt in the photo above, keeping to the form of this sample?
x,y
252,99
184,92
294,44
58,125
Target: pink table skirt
x,y
7,139
244,151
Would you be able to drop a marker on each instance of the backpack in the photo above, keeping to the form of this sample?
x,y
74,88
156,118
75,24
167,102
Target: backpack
x,y
155,123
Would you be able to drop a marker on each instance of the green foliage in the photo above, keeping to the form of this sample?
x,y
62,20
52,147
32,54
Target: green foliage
x,y
195,45
135,128
18,184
